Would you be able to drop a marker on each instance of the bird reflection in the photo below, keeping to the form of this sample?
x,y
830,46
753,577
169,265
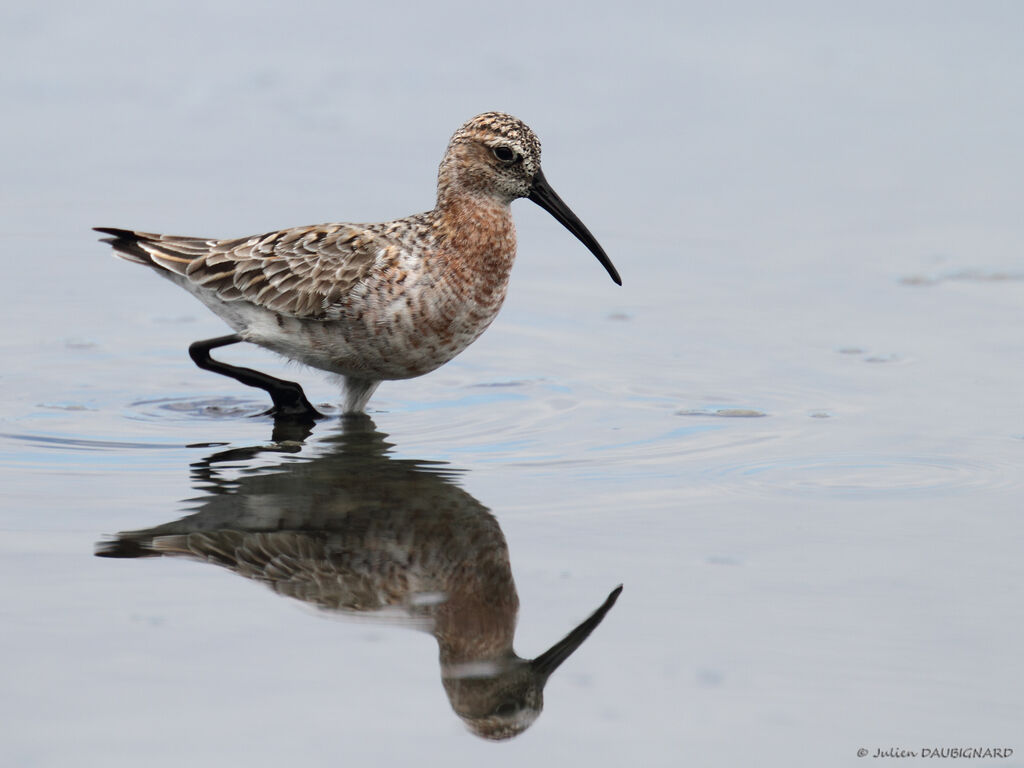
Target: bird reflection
x,y
354,531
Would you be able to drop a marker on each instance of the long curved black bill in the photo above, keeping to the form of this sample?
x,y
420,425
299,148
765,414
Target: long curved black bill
x,y
550,660
543,195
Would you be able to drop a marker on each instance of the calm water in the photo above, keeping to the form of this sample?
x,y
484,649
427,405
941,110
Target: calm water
x,y
794,435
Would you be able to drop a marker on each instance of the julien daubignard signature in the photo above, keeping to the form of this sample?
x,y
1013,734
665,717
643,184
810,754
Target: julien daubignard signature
x,y
938,752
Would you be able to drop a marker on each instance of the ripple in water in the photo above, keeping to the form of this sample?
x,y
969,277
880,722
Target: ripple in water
x,y
513,425
82,444
964,275
855,475
217,408
728,413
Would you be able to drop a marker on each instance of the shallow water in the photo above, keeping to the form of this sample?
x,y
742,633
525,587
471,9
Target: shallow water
x,y
794,434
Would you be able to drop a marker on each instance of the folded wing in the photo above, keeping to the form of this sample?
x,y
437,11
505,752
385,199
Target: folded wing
x,y
301,272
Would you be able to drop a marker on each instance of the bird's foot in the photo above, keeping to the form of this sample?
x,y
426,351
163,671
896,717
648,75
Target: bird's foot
x,y
290,403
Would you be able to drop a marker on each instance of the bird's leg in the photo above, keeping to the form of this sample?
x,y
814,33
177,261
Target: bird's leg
x,y
357,394
289,399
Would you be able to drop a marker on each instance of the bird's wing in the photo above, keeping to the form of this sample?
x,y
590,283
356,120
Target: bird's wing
x,y
307,566
301,272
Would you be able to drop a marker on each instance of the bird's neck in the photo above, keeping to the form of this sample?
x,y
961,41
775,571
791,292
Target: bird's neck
x,y
477,232
476,626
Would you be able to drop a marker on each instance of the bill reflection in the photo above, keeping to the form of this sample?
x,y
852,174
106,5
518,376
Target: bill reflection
x,y
353,531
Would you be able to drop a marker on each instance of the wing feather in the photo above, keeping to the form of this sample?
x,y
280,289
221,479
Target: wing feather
x,y
303,271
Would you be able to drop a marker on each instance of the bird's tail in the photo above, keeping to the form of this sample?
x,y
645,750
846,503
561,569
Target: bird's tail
x,y
143,544
127,547
164,252
125,243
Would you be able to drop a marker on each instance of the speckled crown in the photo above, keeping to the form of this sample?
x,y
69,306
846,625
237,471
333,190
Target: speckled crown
x,y
491,124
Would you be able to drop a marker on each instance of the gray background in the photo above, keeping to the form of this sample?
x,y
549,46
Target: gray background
x,y
816,212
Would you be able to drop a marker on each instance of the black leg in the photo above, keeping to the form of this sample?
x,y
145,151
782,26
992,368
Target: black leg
x,y
289,400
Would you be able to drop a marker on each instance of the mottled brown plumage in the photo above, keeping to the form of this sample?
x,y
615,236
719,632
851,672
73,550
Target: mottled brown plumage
x,y
358,533
371,302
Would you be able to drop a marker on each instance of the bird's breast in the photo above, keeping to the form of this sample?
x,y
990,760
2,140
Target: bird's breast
x,y
422,308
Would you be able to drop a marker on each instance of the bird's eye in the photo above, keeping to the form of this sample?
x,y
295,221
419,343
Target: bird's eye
x,y
504,154
507,709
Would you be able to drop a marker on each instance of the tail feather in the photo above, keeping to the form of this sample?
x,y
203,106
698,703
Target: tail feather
x,y
126,244
145,544
164,252
126,547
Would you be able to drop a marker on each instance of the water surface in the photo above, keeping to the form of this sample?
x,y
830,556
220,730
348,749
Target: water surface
x,y
794,435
